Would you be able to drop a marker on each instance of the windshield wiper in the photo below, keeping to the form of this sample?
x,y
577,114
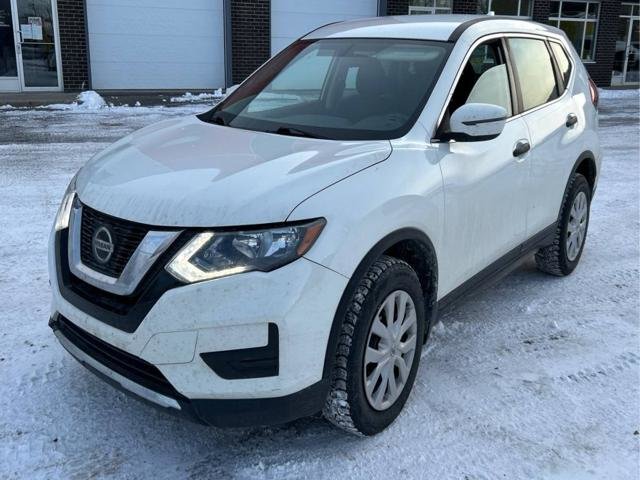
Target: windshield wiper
x,y
295,132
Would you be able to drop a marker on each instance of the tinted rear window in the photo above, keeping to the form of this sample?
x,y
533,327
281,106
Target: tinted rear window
x,y
534,71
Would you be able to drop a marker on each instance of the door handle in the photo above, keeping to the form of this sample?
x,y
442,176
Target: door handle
x,y
521,147
572,119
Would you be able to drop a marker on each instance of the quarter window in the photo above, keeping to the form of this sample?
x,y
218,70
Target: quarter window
x,y
534,71
579,20
563,62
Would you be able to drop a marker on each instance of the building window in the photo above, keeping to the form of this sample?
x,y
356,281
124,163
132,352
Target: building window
x,y
429,7
626,60
579,20
511,8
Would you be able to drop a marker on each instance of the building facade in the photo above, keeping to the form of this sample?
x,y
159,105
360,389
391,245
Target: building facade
x,y
112,45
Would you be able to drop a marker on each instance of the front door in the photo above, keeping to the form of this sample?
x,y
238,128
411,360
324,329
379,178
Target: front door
x,y
626,65
29,50
484,181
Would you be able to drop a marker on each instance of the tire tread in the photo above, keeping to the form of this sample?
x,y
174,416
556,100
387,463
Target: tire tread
x,y
549,259
337,408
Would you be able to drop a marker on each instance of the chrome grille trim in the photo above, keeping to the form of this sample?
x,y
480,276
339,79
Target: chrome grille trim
x,y
145,255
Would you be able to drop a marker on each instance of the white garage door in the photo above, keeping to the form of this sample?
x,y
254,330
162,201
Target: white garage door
x,y
290,19
156,44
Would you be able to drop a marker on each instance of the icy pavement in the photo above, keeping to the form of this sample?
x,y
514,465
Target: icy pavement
x,y
536,378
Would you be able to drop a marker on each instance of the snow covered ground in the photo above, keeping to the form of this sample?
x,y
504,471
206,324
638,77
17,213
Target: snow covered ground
x,y
535,378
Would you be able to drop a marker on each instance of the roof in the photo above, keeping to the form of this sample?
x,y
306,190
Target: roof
x,y
425,27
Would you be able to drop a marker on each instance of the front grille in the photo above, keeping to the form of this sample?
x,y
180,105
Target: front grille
x,y
126,237
122,312
129,366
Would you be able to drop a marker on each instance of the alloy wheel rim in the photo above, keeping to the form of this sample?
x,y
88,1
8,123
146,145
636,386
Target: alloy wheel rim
x,y
577,226
391,346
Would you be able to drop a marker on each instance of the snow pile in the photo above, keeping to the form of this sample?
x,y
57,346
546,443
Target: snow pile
x,y
201,97
87,100
90,100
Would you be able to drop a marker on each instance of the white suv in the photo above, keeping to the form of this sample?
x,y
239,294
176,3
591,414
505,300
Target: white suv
x,y
286,252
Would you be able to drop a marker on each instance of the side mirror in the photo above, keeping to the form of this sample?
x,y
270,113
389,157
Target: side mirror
x,y
232,89
475,122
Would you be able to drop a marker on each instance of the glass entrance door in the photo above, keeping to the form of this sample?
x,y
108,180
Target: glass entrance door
x,y
626,65
8,65
37,46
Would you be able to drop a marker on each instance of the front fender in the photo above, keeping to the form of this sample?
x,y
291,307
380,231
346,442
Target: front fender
x,y
404,192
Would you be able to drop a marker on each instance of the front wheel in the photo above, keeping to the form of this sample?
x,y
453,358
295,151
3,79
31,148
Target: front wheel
x,y
562,257
379,349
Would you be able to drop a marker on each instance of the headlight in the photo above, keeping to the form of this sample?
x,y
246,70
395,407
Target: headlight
x,y
62,217
217,254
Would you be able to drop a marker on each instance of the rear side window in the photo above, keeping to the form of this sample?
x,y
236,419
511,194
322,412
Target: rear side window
x,y
534,71
562,59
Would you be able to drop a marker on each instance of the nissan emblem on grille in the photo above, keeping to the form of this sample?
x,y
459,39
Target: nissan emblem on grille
x,y
102,245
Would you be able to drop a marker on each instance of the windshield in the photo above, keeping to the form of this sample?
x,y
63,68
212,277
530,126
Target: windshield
x,y
342,89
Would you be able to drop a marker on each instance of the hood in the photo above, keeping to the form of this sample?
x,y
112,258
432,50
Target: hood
x,y
189,173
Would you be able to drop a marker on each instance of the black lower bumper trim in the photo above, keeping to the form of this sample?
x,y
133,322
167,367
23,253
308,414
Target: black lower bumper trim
x,y
256,362
260,411
215,412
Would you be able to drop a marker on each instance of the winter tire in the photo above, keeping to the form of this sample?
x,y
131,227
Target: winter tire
x,y
378,350
562,256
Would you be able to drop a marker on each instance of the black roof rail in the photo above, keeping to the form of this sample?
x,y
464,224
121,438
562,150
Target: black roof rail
x,y
460,29
318,28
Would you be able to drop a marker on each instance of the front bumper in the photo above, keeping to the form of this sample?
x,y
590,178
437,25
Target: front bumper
x,y
159,393
230,314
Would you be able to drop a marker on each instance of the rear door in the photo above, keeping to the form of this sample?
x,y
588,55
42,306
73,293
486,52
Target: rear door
x,y
553,121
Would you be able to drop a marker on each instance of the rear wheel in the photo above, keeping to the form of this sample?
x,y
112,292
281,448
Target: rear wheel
x,y
563,255
378,350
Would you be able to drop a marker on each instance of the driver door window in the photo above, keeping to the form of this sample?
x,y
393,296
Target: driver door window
x,y
484,79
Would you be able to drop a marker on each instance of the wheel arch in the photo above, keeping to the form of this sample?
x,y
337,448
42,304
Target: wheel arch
x,y
408,244
586,166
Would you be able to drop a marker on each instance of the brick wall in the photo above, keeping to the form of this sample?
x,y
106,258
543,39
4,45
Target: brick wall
x,y
469,7
397,7
73,44
541,10
250,36
608,21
